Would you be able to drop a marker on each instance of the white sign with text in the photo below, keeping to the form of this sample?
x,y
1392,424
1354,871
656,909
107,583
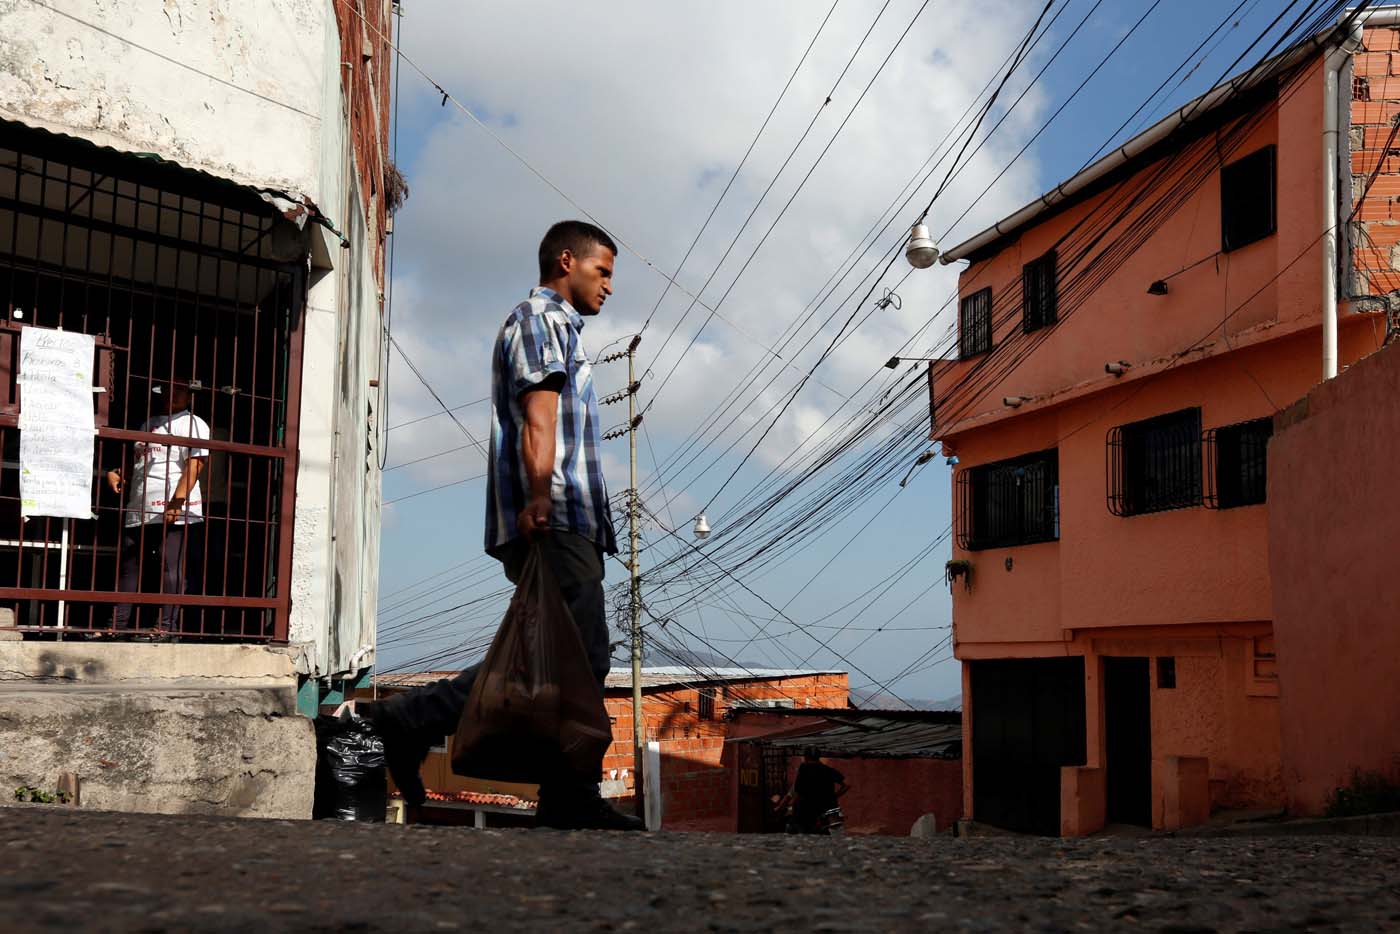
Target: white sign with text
x,y
56,423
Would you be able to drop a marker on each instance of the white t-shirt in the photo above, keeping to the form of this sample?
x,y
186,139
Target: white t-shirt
x,y
157,469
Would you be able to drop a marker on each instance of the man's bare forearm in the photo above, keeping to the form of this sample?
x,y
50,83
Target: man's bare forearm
x,y
537,440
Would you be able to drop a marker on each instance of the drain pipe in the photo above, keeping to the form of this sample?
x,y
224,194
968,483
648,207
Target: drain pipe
x,y
1336,59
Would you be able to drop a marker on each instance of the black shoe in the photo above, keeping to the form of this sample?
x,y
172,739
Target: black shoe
x,y
588,814
160,637
403,754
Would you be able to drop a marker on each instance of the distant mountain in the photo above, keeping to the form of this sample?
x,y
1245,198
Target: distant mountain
x,y
871,698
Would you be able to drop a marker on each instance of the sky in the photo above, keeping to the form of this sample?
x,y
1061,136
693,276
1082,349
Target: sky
x,y
639,113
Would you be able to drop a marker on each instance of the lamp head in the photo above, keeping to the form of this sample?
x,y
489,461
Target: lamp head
x,y
702,527
921,251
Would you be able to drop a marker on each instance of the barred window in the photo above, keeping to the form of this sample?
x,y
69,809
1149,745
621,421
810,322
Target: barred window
x,y
976,317
1248,209
1039,290
1010,502
1237,457
707,704
1155,464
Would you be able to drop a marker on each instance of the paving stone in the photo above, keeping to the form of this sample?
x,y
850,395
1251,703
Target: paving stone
x,y
180,873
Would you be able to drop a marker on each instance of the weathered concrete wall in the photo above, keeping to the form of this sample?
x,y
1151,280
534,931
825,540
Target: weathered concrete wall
x,y
229,87
259,93
1333,517
173,729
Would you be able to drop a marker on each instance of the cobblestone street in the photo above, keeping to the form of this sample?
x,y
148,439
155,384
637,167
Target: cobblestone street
x,y
113,872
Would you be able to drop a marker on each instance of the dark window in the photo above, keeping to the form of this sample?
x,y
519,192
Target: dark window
x,y
1247,203
1238,459
1038,289
1155,464
1010,502
1166,671
707,704
976,335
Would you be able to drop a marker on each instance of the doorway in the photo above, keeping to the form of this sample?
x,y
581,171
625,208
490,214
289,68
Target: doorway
x,y
1127,698
1027,724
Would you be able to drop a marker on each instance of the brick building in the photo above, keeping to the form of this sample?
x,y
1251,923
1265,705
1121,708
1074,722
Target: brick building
x,y
900,765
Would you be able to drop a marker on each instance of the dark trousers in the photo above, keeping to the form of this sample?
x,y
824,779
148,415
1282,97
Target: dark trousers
x,y
431,712
155,552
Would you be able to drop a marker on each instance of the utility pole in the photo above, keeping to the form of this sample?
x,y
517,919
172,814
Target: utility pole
x,y
634,512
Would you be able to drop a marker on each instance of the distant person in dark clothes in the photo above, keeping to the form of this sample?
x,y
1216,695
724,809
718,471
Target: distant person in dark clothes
x,y
545,488
814,792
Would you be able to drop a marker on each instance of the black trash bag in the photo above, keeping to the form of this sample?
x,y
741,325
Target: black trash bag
x,y
350,782
535,709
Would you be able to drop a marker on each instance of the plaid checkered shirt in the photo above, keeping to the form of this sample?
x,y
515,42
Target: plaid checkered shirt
x,y
540,338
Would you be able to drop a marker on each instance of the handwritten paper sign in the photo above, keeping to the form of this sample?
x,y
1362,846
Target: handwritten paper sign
x,y
56,423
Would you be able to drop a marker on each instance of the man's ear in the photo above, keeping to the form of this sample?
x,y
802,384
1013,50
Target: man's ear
x,y
567,261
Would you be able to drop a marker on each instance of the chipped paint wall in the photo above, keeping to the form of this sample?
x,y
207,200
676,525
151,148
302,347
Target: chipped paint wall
x,y
284,94
229,87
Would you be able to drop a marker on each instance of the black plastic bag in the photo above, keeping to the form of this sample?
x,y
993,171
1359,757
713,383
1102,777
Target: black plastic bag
x,y
350,782
536,709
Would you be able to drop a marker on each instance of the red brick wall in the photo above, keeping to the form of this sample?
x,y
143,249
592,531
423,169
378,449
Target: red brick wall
x,y
1375,235
365,26
696,784
888,795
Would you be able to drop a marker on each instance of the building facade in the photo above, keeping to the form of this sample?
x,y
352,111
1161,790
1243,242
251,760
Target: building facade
x,y
1124,344
201,189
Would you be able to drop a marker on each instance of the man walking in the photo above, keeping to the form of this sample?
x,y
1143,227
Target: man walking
x,y
545,488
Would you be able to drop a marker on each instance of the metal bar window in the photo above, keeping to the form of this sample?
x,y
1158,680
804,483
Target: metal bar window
x,y
1237,464
1009,502
1038,289
191,286
976,318
1155,464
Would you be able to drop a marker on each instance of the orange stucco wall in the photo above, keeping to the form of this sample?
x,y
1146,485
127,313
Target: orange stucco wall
x,y
1333,520
1238,335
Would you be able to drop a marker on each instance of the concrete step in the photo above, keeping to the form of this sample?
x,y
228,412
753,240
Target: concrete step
x,y
173,729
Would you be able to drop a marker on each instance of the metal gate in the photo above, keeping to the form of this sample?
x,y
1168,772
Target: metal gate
x,y
188,284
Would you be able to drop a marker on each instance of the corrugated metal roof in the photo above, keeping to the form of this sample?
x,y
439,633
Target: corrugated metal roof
x,y
877,737
667,675
663,676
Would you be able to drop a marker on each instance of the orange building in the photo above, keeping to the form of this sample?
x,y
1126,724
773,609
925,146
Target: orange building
x,y
1124,343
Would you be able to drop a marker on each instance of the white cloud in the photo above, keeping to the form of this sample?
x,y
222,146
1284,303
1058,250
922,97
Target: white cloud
x,y
640,111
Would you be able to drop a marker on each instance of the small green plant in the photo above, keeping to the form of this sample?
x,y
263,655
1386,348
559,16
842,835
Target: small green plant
x,y
1367,793
33,795
959,567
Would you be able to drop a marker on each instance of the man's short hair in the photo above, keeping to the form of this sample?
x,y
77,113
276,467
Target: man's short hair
x,y
578,237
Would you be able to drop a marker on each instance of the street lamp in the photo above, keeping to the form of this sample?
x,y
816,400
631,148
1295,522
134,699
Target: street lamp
x,y
921,251
893,362
702,527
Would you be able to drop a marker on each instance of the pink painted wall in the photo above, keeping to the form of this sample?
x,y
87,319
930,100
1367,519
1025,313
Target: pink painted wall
x,y
1333,520
1193,583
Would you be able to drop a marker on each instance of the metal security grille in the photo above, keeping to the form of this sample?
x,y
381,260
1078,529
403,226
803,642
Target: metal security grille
x,y
185,282
976,317
1155,464
1010,502
1039,290
1237,464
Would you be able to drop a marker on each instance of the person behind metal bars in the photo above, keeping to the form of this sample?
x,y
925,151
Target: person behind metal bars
x,y
163,501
